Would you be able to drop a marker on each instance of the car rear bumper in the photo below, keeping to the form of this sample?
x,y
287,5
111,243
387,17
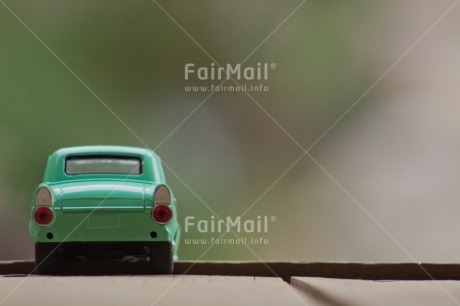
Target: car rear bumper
x,y
103,249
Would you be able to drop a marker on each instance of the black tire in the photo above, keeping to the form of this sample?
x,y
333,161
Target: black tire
x,y
47,259
161,258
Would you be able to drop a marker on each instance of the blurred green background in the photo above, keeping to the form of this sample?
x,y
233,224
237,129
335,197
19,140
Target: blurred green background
x,y
397,153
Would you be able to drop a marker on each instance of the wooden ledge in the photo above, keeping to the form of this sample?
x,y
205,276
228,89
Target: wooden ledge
x,y
285,270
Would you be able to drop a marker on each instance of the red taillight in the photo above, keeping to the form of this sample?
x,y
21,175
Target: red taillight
x,y
162,213
43,215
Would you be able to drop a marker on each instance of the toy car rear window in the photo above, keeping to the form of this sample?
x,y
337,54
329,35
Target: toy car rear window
x,y
76,165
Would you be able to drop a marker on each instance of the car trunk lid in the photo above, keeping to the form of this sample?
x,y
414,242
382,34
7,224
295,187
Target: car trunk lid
x,y
113,196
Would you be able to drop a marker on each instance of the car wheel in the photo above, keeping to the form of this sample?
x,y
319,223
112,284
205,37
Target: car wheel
x,y
47,259
161,258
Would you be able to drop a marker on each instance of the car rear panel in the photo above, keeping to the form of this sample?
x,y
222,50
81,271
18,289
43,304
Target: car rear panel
x,y
103,225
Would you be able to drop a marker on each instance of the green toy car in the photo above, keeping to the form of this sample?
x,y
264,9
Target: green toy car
x,y
104,202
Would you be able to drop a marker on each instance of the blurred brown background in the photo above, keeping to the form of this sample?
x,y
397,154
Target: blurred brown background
x,y
397,152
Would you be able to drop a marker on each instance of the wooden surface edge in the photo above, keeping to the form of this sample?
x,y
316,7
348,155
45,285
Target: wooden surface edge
x,y
285,270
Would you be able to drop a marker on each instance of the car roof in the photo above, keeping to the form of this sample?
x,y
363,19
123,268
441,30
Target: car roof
x,y
55,172
116,150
